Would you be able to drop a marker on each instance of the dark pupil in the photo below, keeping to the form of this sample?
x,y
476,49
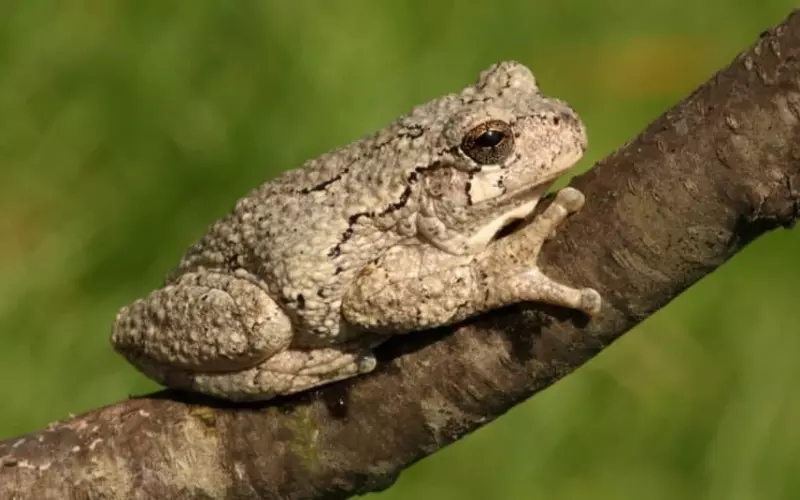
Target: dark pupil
x,y
489,139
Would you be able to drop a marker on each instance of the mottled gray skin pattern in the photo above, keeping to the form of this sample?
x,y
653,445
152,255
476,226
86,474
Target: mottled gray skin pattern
x,y
308,272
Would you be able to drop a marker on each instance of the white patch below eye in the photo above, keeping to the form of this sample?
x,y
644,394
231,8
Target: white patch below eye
x,y
486,185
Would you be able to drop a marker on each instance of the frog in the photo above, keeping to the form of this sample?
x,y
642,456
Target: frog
x,y
308,273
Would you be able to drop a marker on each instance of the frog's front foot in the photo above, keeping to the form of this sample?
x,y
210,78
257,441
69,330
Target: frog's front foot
x,y
532,285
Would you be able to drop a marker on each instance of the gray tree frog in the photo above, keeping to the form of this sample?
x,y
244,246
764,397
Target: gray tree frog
x,y
390,234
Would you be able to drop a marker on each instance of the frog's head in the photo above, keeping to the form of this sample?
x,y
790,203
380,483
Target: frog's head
x,y
502,146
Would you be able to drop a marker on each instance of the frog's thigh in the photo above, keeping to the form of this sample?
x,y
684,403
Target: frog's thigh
x,y
204,322
287,372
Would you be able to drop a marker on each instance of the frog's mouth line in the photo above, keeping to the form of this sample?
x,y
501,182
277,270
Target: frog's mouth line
x,y
521,195
526,193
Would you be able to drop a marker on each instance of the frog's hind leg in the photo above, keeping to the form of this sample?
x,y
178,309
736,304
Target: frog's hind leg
x,y
287,372
204,322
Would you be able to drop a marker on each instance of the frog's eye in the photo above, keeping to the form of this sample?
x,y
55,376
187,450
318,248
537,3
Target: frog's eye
x,y
489,143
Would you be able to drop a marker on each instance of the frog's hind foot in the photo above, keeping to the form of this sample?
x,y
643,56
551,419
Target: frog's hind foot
x,y
285,373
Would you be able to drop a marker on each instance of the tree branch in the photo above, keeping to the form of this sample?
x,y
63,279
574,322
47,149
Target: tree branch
x,y
709,176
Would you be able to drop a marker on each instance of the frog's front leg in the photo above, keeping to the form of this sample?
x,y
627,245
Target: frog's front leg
x,y
418,287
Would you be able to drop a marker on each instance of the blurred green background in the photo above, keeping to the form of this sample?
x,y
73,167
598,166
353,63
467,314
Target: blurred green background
x,y
127,126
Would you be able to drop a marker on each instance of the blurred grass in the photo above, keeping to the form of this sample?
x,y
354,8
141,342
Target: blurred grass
x,y
127,126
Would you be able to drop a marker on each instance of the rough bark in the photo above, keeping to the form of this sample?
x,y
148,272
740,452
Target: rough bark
x,y
713,173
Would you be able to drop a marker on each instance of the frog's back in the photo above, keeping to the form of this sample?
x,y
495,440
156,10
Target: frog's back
x,y
303,219
327,217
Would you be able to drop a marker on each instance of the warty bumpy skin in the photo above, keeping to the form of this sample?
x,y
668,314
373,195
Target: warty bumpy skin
x,y
390,234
